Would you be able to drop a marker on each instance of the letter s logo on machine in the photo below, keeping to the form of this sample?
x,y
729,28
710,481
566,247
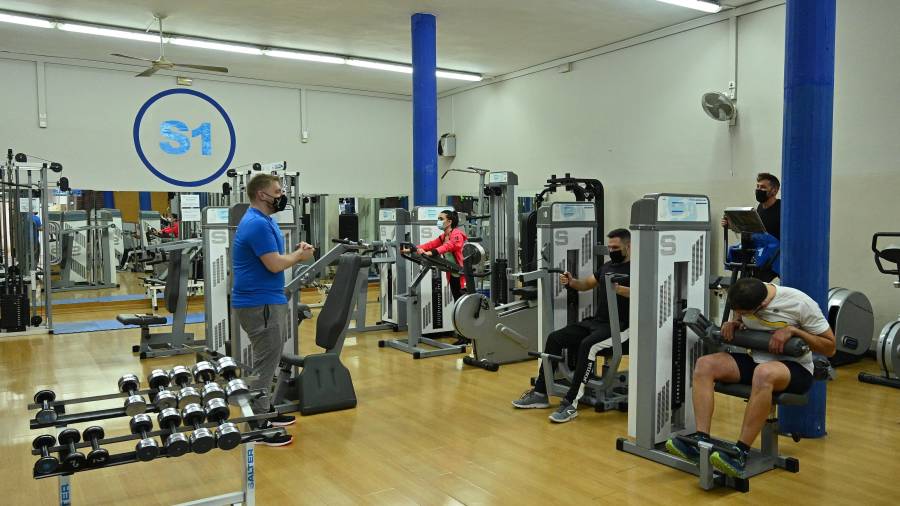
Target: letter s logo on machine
x,y
184,137
667,245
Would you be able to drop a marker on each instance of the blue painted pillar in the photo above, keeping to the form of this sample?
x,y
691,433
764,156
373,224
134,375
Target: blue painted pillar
x,y
145,202
424,84
109,200
806,173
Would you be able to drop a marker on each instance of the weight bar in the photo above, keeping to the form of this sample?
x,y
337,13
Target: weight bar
x,y
205,373
202,439
177,444
158,380
47,413
146,449
181,376
46,463
73,459
134,404
98,456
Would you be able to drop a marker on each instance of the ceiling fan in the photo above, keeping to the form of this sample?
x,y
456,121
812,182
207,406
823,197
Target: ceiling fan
x,y
162,63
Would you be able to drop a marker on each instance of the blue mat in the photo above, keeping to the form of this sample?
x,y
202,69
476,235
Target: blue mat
x,y
111,298
99,325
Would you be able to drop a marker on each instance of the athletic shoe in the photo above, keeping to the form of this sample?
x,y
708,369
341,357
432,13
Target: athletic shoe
x,y
683,450
565,413
461,341
532,400
731,466
282,420
274,439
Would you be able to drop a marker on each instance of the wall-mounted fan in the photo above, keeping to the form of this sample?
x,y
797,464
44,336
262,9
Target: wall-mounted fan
x,y
162,63
719,106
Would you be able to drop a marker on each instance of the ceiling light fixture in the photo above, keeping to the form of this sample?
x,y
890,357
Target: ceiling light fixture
x,y
297,55
108,32
218,46
25,20
700,5
462,76
391,67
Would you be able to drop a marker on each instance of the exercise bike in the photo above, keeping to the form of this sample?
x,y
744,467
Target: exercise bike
x,y
887,351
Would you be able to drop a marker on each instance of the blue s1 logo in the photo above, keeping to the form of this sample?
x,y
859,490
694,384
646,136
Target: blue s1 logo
x,y
179,144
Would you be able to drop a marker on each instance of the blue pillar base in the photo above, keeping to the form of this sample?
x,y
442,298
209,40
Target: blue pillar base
x,y
806,421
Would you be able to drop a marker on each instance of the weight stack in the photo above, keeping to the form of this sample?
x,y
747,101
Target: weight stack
x,y
14,312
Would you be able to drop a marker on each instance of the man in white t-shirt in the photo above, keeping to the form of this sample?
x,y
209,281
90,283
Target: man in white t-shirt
x,y
786,312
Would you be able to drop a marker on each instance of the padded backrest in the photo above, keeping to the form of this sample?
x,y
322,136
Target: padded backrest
x,y
173,276
335,312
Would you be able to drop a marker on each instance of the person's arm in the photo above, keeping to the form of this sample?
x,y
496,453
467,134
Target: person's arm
x,y
454,244
277,262
814,330
430,245
582,285
622,290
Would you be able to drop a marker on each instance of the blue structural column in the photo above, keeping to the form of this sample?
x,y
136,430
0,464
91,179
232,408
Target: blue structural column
x,y
144,201
806,173
109,200
424,63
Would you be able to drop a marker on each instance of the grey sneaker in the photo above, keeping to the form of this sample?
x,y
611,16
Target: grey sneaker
x,y
532,400
566,412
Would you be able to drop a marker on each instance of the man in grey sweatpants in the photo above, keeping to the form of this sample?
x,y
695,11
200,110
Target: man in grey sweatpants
x,y
257,296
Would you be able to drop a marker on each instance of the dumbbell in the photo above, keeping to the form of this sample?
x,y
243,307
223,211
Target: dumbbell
x,y
227,434
158,379
236,387
134,404
46,414
74,458
46,463
146,449
206,374
181,376
202,440
177,444
98,456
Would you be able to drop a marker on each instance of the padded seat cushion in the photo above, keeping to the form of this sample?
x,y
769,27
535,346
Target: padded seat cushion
x,y
743,391
141,320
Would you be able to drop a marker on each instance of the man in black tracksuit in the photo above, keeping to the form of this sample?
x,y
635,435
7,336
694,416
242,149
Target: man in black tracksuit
x,y
578,338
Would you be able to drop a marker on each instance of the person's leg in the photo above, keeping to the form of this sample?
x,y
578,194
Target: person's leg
x,y
455,288
567,337
265,326
584,365
767,378
709,369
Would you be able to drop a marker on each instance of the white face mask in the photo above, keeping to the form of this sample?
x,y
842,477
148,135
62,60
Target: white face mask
x,y
440,224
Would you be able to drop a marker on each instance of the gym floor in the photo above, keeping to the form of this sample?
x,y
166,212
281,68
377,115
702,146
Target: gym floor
x,y
432,432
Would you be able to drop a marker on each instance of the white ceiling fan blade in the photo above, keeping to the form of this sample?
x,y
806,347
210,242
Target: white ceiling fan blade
x,y
147,73
201,67
130,57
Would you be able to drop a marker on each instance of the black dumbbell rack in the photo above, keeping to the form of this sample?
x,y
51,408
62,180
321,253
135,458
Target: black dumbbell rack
x,y
64,473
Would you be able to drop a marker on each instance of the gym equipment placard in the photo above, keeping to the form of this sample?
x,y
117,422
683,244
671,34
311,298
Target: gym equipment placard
x,y
184,137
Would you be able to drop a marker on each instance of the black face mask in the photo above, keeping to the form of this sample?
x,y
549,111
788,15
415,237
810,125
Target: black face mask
x,y
762,196
617,256
278,203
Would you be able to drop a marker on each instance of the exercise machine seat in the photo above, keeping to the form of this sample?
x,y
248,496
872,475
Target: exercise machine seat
x,y
141,320
743,391
526,292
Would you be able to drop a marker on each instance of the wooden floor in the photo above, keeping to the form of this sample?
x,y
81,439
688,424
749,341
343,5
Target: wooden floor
x,y
433,432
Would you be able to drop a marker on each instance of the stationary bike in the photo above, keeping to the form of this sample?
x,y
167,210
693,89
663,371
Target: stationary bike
x,y
887,351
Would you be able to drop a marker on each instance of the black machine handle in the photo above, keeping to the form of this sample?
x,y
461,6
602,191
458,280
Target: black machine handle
x,y
878,252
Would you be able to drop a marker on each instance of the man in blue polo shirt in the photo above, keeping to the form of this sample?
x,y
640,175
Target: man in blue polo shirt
x,y
257,295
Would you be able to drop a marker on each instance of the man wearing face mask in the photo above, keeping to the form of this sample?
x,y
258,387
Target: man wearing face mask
x,y
786,312
258,264
769,208
578,338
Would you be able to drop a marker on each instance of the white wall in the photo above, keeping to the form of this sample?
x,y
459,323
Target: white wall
x,y
353,138
631,118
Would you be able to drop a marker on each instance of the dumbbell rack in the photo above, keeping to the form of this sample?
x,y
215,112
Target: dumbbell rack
x,y
63,419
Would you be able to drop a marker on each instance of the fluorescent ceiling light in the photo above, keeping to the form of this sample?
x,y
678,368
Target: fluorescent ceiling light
x,y
205,44
446,74
107,32
25,20
297,55
369,64
700,5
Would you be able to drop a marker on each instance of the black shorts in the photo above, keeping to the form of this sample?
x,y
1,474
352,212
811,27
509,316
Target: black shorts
x,y
801,379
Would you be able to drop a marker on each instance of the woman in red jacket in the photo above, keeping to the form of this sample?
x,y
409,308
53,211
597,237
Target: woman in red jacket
x,y
448,245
